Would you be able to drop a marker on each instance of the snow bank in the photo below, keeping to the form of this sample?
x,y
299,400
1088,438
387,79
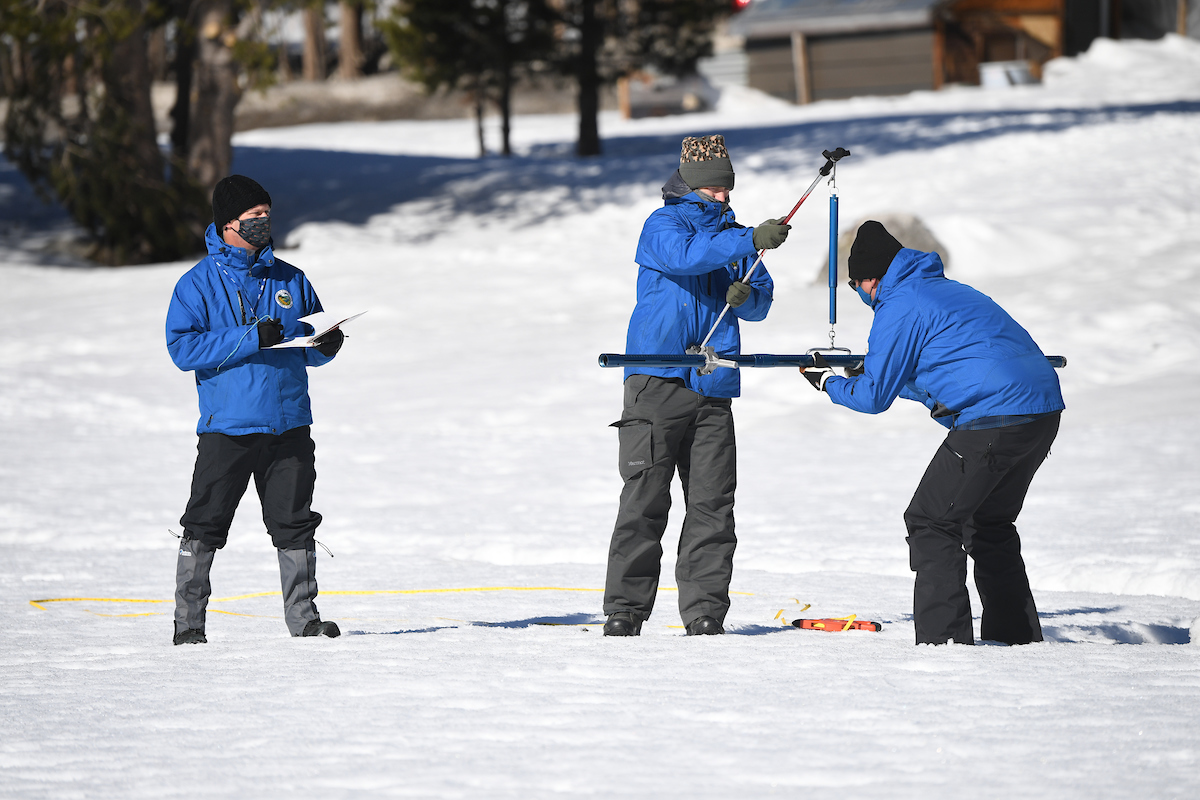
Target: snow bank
x,y
1130,70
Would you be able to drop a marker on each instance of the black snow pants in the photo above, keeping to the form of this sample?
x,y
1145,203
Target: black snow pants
x,y
284,470
967,504
665,427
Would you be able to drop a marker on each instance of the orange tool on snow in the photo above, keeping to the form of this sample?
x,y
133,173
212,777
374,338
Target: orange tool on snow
x,y
837,625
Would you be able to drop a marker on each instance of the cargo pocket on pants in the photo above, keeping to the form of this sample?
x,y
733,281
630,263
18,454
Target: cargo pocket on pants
x,y
635,450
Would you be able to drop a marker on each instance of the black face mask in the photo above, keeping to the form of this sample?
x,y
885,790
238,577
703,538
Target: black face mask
x,y
256,231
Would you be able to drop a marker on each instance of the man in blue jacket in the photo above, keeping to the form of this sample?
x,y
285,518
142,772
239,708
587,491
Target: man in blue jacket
x,y
225,315
945,345
691,257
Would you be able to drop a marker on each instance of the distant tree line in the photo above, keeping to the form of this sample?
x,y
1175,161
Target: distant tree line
x,y
77,78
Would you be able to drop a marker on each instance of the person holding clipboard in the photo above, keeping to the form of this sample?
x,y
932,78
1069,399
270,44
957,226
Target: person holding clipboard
x,y
225,317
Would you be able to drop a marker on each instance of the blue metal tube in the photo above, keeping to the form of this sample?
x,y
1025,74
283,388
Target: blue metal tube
x,y
833,257
758,360
660,361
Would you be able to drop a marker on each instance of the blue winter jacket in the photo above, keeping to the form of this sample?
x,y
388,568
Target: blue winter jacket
x,y
212,329
935,340
689,253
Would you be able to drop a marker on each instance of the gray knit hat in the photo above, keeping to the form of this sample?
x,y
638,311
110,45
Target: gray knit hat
x,y
704,161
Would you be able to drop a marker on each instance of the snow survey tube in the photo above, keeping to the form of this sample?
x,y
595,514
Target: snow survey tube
x,y
660,361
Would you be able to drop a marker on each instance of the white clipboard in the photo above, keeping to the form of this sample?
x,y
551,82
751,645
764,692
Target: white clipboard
x,y
320,321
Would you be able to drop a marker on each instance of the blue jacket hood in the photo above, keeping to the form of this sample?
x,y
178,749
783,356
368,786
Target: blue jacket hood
x,y
916,266
935,340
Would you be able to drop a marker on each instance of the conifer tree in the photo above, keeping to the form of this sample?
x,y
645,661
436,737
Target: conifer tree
x,y
481,46
81,128
610,39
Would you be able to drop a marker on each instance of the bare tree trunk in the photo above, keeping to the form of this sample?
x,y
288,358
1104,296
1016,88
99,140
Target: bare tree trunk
x,y
128,86
7,63
210,149
181,112
350,57
479,99
589,82
156,52
314,43
505,103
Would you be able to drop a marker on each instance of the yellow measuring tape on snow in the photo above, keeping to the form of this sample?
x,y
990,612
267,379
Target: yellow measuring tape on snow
x,y
362,592
41,603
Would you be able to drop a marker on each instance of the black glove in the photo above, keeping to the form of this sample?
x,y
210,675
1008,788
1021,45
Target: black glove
x,y
770,234
328,344
270,331
854,371
818,373
737,294
939,410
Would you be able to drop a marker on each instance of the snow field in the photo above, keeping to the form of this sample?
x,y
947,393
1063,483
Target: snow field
x,y
462,444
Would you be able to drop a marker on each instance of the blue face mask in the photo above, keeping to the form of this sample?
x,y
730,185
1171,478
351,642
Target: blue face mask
x,y
866,297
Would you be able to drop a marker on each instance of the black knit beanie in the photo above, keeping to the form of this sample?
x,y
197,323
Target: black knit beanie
x,y
232,196
704,161
872,251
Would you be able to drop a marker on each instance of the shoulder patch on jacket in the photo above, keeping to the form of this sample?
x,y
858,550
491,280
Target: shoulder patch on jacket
x,y
284,298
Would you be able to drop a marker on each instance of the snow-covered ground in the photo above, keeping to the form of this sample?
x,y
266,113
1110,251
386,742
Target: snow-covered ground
x,y
468,479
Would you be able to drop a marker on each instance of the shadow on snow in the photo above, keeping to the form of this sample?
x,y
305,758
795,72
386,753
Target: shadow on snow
x,y
334,186
1119,633
328,185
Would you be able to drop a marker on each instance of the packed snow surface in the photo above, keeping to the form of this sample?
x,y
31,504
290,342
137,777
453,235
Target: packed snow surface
x,y
468,477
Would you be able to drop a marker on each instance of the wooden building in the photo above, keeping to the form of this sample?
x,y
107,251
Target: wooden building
x,y
808,50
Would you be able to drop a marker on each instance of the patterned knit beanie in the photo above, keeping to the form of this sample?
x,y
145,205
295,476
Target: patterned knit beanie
x,y
704,161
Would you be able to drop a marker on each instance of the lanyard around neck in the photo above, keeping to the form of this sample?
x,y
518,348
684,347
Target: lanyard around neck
x,y
262,286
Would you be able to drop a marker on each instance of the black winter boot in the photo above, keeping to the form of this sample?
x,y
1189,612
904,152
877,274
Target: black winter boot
x,y
298,579
192,589
190,637
704,626
316,627
623,623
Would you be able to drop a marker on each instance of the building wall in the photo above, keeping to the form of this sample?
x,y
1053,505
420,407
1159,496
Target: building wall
x,y
847,65
770,68
892,62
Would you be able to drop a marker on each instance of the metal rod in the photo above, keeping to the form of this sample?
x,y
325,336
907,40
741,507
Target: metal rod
x,y
755,360
833,257
661,361
758,261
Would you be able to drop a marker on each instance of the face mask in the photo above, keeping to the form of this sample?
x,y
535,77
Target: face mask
x,y
866,297
256,231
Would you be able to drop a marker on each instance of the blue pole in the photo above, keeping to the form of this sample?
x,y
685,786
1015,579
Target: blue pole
x,y
661,361
833,258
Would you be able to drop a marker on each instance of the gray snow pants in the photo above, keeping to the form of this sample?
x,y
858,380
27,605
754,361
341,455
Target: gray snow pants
x,y
666,426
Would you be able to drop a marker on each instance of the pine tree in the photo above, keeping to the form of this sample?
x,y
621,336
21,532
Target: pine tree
x,y
481,46
610,39
81,128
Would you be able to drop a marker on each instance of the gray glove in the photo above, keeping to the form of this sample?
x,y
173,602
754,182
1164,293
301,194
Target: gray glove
x,y
770,234
737,294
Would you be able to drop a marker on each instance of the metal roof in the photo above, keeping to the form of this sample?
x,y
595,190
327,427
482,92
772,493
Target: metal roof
x,y
771,18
